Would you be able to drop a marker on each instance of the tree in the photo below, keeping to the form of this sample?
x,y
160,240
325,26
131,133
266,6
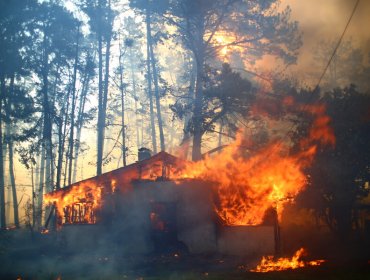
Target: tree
x,y
345,68
53,32
15,22
101,20
254,25
340,174
226,96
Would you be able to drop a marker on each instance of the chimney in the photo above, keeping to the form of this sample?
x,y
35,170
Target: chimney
x,y
144,153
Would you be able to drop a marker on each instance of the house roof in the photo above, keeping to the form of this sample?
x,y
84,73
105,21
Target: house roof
x,y
131,170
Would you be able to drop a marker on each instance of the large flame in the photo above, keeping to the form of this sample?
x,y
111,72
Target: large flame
x,y
249,184
268,263
77,205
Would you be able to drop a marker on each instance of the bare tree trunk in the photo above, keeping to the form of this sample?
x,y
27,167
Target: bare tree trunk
x,y
81,111
47,125
12,182
103,92
40,191
149,78
71,136
101,121
33,198
62,127
156,92
198,100
220,135
2,183
187,118
197,116
11,160
135,98
121,87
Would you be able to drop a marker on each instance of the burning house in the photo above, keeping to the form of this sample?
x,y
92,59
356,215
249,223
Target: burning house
x,y
148,207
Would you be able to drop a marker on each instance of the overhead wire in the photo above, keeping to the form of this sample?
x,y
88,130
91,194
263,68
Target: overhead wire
x,y
337,45
330,59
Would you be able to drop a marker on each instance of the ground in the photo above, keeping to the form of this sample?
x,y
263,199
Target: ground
x,y
39,257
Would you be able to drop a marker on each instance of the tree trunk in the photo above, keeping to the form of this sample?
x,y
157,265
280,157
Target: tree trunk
x,y
199,54
41,187
12,181
81,111
11,160
62,127
197,114
47,125
101,121
2,182
121,87
149,78
71,136
103,92
156,92
187,136
136,99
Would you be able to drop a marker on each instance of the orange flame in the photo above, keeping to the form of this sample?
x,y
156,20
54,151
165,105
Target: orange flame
x,y
250,185
78,204
269,264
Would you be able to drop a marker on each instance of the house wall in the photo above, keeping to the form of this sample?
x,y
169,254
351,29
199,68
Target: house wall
x,y
246,240
194,211
125,224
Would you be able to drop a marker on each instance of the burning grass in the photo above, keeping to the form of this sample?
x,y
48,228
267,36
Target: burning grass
x,y
270,264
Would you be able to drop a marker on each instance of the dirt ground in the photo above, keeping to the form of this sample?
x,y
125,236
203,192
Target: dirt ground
x,y
40,257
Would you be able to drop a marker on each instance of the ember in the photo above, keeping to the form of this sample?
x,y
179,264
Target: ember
x,y
269,264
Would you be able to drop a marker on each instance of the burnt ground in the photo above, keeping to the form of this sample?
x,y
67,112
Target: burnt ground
x,y
23,256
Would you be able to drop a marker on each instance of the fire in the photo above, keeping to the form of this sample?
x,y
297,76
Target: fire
x,y
269,264
78,204
249,184
81,202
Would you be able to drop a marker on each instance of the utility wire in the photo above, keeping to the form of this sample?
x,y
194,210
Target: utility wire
x,y
338,44
290,130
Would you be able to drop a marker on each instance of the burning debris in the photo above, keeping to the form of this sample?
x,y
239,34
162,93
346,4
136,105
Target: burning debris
x,y
270,264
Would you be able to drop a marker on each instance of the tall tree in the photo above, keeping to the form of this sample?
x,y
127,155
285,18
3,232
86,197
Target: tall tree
x,y
101,20
255,25
149,77
16,23
73,107
53,39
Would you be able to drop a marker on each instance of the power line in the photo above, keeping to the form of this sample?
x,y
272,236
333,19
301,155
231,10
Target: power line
x,y
338,44
330,60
